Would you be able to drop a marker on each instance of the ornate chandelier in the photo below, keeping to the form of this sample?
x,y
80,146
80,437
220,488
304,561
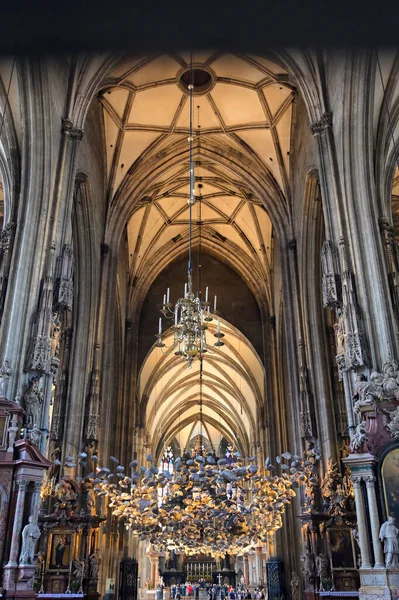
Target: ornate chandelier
x,y
190,313
208,504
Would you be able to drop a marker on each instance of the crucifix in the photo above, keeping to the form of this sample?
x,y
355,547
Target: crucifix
x,y
219,579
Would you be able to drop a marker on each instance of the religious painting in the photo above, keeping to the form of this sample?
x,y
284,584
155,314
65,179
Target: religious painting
x,y
390,482
341,548
61,551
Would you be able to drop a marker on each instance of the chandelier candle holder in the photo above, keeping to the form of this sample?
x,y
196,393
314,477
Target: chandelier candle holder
x,y
190,313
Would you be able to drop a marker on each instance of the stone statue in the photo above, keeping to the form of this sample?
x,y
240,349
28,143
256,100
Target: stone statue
x,y
55,334
35,435
340,334
389,535
393,425
94,561
39,564
344,449
310,453
360,436
79,569
30,535
368,392
12,435
295,587
308,568
55,467
90,501
322,566
5,373
332,478
33,399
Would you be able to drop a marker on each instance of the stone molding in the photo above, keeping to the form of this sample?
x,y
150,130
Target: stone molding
x,y
74,133
322,124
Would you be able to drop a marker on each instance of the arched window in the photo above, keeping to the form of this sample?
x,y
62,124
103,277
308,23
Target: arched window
x,y
166,463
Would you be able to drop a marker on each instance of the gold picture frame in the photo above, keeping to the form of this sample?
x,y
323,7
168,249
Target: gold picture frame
x,y
61,550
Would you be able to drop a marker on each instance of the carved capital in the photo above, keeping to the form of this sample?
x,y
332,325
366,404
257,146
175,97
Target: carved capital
x,y
357,482
66,125
323,123
76,134
21,485
370,481
385,225
37,486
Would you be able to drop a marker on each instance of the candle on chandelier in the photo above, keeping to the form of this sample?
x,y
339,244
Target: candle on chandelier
x,y
218,324
168,295
160,325
214,304
164,299
185,289
206,294
176,315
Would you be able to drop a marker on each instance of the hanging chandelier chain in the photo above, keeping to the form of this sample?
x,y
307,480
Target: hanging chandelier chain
x,y
201,415
191,313
192,196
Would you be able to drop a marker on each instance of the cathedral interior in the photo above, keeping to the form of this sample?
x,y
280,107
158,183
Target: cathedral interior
x,y
199,304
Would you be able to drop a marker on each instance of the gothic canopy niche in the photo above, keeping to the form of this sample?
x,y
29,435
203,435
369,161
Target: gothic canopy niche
x,y
242,108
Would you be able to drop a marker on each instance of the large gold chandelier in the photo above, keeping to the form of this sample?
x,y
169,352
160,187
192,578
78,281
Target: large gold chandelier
x,y
190,313
208,504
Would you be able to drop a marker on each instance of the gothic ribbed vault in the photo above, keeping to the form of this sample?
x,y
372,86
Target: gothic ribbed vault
x,y
233,391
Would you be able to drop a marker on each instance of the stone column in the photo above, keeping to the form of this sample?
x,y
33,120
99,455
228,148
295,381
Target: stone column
x,y
362,524
35,503
153,556
375,522
9,569
252,570
264,572
5,502
258,562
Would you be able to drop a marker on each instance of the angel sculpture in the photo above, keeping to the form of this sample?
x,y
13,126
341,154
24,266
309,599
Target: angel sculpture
x,y
79,566
360,436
